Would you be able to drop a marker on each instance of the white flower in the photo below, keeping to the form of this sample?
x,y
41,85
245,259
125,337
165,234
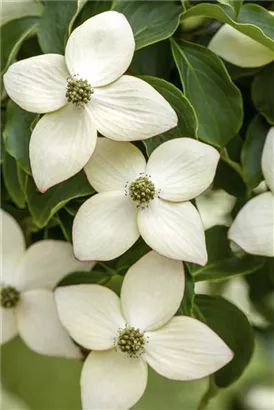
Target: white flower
x,y
28,276
239,49
151,200
253,228
126,335
84,92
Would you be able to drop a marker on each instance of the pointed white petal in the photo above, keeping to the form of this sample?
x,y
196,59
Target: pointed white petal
x,y
130,109
268,159
152,291
40,327
38,84
174,230
186,349
91,314
253,228
45,263
12,247
61,144
8,328
182,168
101,49
112,380
239,49
105,227
113,164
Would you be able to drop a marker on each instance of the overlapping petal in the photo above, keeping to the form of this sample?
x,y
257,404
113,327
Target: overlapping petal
x,y
186,349
253,227
268,159
40,327
45,263
61,144
182,168
239,49
130,109
152,291
101,49
91,314
105,227
38,84
113,165
12,247
174,230
8,328
112,380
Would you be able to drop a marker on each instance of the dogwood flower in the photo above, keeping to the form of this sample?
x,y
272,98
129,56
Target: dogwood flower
x,y
253,227
151,200
127,335
84,92
28,276
239,49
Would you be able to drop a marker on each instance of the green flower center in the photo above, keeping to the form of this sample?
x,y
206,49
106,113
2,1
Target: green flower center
x,y
79,92
142,190
131,341
9,297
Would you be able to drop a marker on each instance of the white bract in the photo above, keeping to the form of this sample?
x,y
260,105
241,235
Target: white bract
x,y
28,277
253,227
151,200
84,92
239,49
127,335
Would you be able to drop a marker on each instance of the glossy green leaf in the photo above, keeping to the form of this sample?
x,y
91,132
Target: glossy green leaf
x,y
17,134
56,24
187,120
207,85
186,307
90,9
222,263
13,180
13,34
151,21
252,151
233,327
43,206
235,4
261,95
92,277
252,20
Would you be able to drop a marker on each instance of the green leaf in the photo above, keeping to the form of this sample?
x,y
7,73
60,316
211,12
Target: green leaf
x,y
186,307
13,180
77,278
264,99
207,85
151,21
17,134
235,4
187,120
90,9
233,327
56,24
65,220
13,34
252,151
228,179
222,263
252,20
43,206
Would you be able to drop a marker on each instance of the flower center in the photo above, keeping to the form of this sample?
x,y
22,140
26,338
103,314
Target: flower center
x,y
9,297
131,341
142,190
79,92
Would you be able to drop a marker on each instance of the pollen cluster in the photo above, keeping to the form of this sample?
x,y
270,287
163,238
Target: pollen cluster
x,y
131,341
142,190
79,92
9,297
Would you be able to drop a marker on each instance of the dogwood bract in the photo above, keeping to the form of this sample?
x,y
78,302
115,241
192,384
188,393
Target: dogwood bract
x,y
126,335
84,92
28,276
151,200
253,227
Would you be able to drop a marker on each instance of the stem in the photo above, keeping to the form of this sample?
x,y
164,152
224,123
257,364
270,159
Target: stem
x,y
237,167
209,394
107,268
